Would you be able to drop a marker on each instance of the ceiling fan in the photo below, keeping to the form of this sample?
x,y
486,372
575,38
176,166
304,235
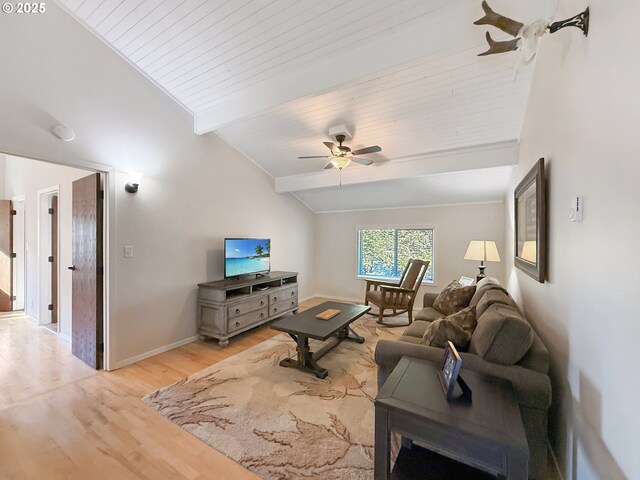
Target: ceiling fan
x,y
341,155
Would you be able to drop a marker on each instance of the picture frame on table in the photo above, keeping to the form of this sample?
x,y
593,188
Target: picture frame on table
x,y
450,369
530,220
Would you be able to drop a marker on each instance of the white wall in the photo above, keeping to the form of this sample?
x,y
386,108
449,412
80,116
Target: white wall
x,y
195,190
455,226
27,177
583,116
3,195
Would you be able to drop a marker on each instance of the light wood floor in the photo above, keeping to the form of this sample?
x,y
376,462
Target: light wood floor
x,y
59,419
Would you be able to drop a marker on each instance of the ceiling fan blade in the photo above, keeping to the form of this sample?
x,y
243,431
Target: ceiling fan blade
x,y
363,151
331,146
361,161
328,166
317,156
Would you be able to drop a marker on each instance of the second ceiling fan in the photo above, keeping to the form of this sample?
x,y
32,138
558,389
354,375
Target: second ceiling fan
x,y
341,155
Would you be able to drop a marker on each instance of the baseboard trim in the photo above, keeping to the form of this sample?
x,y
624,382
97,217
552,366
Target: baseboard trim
x,y
151,353
64,338
558,473
334,297
32,319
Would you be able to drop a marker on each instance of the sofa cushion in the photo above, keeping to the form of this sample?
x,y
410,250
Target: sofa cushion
x,y
416,329
491,296
487,283
429,314
457,327
502,336
454,298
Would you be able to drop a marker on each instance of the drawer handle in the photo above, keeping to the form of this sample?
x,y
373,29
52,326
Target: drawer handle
x,y
237,324
293,303
293,293
275,309
262,315
275,299
262,303
237,310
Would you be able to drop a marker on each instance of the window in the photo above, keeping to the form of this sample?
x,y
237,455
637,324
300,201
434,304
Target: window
x,y
384,252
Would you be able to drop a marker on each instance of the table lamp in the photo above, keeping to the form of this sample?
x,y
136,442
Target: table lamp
x,y
484,251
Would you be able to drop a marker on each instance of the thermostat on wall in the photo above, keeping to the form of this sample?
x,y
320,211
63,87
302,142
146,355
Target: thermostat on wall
x,y
576,209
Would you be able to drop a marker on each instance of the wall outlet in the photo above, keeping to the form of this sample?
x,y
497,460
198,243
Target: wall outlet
x,y
128,251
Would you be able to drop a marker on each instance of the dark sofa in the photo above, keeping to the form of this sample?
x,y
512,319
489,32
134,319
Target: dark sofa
x,y
502,345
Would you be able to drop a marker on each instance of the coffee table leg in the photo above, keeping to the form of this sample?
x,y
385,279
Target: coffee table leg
x,y
305,359
349,334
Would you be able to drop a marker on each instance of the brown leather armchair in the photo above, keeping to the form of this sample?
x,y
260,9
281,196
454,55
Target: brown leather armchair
x,y
398,297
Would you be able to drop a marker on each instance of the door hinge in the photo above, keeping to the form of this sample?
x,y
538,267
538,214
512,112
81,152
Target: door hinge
x,y
14,212
14,255
51,211
14,298
50,259
101,194
101,348
100,270
50,306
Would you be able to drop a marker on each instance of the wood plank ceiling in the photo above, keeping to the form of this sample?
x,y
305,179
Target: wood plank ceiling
x,y
271,76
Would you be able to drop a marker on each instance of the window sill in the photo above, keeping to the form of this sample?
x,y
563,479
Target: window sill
x,y
431,283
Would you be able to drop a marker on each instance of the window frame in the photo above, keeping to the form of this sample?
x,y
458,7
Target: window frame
x,y
432,264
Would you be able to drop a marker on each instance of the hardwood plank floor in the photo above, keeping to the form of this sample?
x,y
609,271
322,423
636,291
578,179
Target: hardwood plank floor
x,y
60,419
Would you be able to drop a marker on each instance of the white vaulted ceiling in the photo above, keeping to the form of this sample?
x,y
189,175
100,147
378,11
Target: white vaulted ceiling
x,y
272,76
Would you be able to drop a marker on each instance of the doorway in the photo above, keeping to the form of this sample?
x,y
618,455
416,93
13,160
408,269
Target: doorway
x,y
48,300
19,260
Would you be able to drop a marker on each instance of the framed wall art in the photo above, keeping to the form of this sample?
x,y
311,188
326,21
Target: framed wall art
x,y
530,223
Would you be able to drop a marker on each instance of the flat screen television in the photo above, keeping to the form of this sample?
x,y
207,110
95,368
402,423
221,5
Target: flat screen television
x,y
246,256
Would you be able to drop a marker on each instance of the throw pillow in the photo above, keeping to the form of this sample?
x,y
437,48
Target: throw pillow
x,y
457,328
440,331
454,298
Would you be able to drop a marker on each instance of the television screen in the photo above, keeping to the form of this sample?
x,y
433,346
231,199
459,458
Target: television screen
x,y
245,256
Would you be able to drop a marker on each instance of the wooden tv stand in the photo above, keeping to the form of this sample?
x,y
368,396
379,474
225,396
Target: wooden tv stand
x,y
229,307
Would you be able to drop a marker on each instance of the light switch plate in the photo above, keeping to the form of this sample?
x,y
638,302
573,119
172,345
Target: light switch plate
x,y
128,251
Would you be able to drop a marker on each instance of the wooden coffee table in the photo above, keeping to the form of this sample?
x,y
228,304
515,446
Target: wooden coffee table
x,y
303,326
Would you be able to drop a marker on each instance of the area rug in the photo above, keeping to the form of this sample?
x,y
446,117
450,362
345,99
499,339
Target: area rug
x,y
282,423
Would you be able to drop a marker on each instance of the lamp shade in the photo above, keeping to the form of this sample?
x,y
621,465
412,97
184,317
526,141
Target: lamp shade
x,y
483,251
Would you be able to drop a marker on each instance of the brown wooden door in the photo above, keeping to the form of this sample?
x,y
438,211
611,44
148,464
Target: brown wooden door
x,y
87,271
53,211
6,255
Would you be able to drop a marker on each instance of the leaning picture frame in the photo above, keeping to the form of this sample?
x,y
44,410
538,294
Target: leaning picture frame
x,y
450,369
530,219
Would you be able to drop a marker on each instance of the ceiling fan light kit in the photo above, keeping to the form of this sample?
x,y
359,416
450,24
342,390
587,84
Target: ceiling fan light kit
x,y
342,155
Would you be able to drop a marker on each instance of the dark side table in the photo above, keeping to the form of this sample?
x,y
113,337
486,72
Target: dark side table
x,y
486,433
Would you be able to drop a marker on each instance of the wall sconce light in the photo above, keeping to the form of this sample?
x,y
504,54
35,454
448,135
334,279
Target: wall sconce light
x,y
134,182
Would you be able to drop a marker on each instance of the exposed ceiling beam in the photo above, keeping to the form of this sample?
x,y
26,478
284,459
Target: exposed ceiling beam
x,y
458,160
421,39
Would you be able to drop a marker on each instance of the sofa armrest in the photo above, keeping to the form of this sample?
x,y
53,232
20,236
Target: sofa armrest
x,y
532,389
428,299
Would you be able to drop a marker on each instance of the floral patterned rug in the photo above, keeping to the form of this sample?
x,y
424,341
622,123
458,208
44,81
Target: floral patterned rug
x,y
282,423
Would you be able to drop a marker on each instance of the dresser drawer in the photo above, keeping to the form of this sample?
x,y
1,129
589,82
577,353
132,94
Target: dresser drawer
x,y
250,318
283,306
284,294
247,306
